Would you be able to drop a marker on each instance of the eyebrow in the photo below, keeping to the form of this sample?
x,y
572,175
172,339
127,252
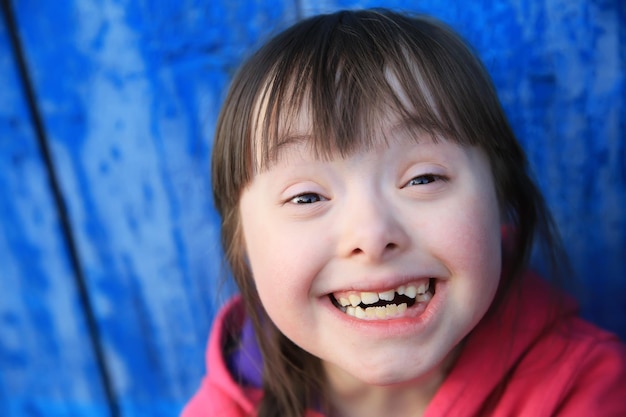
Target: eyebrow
x,y
413,126
418,130
273,152
404,129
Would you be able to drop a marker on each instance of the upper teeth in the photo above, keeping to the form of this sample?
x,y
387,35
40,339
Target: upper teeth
x,y
417,291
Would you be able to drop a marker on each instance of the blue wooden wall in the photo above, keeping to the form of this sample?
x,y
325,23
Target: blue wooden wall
x,y
109,257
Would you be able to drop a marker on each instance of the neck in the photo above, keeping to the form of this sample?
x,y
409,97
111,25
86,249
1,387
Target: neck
x,y
353,398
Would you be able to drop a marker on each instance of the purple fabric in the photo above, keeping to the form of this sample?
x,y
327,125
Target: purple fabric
x,y
246,363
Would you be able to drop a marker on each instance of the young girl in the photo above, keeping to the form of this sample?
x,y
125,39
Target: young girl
x,y
378,216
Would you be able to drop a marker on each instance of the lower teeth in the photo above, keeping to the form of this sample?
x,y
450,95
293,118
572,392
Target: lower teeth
x,y
383,312
388,311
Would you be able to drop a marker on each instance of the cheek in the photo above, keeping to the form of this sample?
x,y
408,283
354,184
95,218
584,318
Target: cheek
x,y
283,282
479,230
475,251
278,263
465,234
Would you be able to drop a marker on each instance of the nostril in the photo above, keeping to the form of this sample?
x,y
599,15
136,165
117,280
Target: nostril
x,y
391,246
388,247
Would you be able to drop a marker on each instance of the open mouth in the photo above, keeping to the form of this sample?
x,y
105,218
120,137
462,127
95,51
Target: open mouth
x,y
387,304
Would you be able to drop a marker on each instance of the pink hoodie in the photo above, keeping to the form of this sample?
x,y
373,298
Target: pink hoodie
x,y
515,363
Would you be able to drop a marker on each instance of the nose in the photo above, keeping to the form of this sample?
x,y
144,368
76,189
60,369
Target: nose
x,y
372,230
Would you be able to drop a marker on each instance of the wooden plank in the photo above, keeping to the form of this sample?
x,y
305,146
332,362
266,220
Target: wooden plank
x,y
559,69
48,367
129,92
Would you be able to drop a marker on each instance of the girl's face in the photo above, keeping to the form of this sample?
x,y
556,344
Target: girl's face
x,y
378,263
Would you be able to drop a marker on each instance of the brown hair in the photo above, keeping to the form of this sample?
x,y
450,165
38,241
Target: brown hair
x,y
338,67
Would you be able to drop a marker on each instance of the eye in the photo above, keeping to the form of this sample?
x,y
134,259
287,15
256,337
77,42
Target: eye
x,y
306,198
424,179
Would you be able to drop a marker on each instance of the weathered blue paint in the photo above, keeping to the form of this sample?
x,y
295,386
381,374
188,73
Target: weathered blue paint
x,y
46,366
129,92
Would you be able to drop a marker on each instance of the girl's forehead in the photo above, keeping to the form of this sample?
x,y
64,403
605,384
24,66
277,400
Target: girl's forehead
x,y
301,139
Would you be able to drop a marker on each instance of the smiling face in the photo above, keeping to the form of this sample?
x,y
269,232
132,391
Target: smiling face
x,y
380,262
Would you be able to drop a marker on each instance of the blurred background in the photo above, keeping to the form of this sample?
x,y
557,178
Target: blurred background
x,y
110,263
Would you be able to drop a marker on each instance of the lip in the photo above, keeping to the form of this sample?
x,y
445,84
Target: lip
x,y
393,327
384,285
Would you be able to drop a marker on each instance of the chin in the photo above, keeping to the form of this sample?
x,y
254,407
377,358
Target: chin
x,y
406,369
388,375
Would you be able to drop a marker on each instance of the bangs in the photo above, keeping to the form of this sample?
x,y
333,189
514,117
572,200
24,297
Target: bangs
x,y
338,82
